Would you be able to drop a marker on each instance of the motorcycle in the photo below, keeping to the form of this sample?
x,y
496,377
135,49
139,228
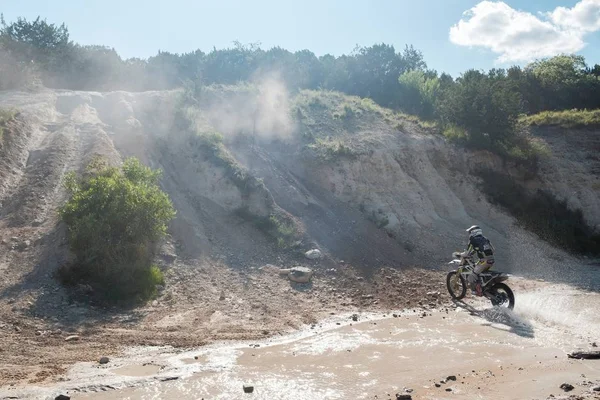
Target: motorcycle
x,y
492,286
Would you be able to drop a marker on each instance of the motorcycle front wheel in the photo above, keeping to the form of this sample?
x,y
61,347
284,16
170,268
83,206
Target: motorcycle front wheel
x,y
457,286
502,296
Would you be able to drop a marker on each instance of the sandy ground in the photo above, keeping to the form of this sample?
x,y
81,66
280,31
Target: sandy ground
x,y
199,306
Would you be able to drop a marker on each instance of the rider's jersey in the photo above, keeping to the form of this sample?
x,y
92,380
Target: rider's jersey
x,y
481,246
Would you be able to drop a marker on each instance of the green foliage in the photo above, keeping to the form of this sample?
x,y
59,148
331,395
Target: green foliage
x,y
418,93
114,218
278,226
211,144
455,134
541,213
483,105
565,119
329,149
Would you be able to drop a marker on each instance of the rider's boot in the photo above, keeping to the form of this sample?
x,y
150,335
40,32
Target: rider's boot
x,y
476,288
479,289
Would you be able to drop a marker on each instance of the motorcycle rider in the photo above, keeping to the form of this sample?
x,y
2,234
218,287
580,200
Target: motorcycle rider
x,y
483,248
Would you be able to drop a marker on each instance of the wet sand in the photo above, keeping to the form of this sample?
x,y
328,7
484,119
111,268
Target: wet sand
x,y
494,354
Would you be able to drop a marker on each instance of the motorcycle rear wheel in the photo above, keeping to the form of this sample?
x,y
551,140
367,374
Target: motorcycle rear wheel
x,y
456,284
502,296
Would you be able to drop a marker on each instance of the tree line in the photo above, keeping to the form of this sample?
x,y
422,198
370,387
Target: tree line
x,y
483,107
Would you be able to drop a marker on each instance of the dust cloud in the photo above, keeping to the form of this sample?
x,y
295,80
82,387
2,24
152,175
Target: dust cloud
x,y
261,109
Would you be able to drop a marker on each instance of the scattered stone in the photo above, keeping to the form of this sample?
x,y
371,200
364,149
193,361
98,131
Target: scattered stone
x,y
14,239
448,389
596,388
169,378
395,315
17,329
248,389
354,317
567,387
313,254
451,378
154,303
72,338
62,397
594,344
222,296
437,385
403,396
103,360
300,274
39,333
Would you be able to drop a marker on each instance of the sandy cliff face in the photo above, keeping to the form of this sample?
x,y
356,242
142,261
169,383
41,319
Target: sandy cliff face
x,y
405,200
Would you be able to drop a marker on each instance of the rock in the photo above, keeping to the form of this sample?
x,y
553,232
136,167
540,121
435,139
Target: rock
x,y
437,385
169,378
313,254
448,389
594,344
222,296
354,317
72,338
248,389
585,355
300,274
154,303
14,239
103,360
160,288
567,387
403,396
23,245
62,397
451,378
596,388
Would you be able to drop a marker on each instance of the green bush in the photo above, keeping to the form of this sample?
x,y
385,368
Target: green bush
x,y
115,216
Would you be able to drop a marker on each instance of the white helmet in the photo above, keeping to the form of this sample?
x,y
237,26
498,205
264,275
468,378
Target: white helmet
x,y
475,230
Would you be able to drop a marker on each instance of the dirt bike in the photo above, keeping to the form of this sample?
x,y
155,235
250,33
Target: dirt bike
x,y
492,285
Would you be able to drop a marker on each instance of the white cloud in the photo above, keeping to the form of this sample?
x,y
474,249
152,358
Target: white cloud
x,y
521,36
584,17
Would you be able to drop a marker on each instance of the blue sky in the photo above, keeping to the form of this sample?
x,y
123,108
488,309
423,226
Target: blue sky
x,y
511,31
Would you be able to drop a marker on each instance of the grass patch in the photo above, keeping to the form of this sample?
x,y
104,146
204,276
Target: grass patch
x,y
455,134
211,144
332,149
542,213
278,226
565,119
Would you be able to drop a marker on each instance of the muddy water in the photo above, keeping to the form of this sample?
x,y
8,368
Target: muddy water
x,y
493,353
